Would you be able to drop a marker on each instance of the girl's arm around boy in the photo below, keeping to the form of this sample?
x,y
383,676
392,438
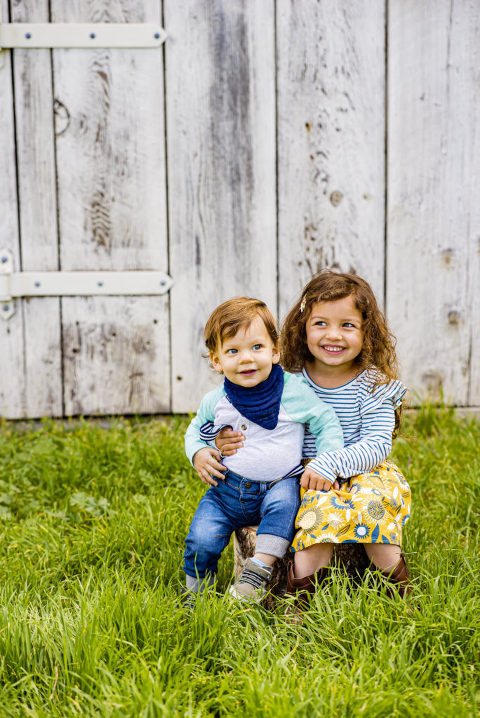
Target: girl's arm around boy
x,y
302,405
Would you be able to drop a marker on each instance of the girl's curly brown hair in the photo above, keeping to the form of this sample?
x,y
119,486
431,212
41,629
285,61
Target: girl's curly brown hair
x,y
378,349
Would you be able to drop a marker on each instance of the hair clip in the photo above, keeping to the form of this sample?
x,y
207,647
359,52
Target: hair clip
x,y
302,304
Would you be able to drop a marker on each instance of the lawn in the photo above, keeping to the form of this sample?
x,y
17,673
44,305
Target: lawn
x,y
93,521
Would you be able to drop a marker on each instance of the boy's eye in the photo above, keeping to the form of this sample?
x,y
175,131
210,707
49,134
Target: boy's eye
x,y
257,347
231,351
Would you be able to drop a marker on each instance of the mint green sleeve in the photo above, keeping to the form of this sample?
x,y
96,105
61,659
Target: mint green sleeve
x,y
303,406
204,415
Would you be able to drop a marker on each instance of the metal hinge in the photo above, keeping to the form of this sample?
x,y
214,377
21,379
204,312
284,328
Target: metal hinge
x,y
80,35
54,284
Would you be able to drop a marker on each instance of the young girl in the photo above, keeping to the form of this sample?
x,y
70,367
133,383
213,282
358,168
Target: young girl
x,y
337,338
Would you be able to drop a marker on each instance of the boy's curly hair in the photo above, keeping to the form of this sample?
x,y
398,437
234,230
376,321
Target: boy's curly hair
x,y
234,314
378,349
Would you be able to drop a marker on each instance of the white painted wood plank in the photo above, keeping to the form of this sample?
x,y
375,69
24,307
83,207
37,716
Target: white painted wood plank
x,y
112,212
34,110
114,355
221,170
12,379
331,109
433,208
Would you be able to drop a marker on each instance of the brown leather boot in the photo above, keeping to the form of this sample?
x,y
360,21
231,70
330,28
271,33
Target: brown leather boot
x,y
400,580
303,588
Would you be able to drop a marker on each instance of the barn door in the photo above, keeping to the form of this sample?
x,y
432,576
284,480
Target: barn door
x,y
83,143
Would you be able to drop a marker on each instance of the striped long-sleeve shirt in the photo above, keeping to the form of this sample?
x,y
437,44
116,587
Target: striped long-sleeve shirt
x,y
367,417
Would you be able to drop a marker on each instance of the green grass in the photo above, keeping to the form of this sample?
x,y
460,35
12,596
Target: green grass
x,y
92,527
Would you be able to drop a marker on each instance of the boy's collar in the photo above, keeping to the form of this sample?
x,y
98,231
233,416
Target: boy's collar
x,y
260,403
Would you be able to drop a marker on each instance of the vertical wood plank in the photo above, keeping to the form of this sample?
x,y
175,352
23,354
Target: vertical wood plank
x,y
38,215
12,377
112,213
115,346
221,147
331,167
433,208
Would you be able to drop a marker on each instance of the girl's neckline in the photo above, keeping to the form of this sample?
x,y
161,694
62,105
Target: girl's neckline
x,y
330,388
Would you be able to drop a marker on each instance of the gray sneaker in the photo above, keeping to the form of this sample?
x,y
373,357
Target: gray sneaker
x,y
250,585
189,599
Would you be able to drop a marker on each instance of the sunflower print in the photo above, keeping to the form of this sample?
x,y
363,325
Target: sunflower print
x,y
370,508
335,519
361,531
309,518
338,502
374,511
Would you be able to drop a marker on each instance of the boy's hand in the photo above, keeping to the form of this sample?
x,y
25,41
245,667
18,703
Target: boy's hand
x,y
228,441
312,481
206,462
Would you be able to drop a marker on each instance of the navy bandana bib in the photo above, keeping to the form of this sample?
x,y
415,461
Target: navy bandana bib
x,y
260,403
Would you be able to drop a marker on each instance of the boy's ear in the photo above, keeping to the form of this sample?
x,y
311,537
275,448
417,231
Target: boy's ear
x,y
275,356
215,362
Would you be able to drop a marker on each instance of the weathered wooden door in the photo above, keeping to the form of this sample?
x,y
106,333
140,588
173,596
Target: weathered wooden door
x,y
84,189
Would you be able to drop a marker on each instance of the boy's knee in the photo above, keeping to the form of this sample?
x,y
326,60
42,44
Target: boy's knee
x,y
284,505
206,541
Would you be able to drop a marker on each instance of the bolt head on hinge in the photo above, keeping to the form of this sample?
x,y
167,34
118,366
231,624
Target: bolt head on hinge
x,y
7,304
7,309
6,261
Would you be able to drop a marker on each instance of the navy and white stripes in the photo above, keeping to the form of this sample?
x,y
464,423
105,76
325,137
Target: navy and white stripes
x,y
296,471
367,418
208,431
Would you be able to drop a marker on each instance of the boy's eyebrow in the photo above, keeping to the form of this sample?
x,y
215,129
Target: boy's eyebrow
x,y
253,340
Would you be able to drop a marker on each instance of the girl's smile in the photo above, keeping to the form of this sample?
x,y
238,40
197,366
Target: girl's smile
x,y
334,349
335,337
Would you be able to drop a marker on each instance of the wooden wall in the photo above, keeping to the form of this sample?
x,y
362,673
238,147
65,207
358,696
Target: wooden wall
x,y
433,223
266,139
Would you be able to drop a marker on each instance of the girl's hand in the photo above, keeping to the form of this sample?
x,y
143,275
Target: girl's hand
x,y
228,441
312,481
206,462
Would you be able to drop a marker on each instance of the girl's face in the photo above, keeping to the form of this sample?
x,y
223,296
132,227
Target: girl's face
x,y
335,335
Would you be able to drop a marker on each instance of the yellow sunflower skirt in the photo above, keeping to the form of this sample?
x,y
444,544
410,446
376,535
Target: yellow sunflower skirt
x,y
370,508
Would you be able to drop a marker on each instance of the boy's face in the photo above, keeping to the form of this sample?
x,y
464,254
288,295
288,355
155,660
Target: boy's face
x,y
246,358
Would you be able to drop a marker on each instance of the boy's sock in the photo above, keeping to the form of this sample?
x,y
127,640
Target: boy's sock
x,y
199,585
250,585
259,562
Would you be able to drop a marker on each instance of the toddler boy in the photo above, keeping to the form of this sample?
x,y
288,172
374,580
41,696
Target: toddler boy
x,y
260,483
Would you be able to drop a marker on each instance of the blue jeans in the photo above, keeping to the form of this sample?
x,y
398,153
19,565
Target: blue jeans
x,y
234,503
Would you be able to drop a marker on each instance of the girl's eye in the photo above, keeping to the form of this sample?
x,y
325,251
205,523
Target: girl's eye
x,y
348,324
257,347
320,323
231,351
